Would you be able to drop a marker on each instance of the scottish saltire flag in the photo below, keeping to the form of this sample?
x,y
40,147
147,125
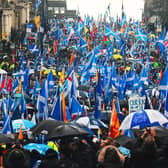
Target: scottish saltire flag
x,y
85,72
74,91
110,33
42,101
163,86
26,78
144,76
98,98
7,126
37,4
10,102
59,111
36,89
109,50
56,110
130,78
68,83
83,45
139,35
50,80
4,108
160,44
76,110
97,51
33,48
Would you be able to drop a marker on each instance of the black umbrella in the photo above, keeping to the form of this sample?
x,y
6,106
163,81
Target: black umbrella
x,y
45,127
66,130
124,140
5,139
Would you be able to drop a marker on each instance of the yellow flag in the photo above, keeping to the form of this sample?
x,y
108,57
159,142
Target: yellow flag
x,y
85,29
62,76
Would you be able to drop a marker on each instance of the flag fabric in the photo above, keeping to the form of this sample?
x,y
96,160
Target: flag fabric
x,y
163,86
37,22
9,85
41,70
26,78
19,90
76,109
23,109
3,83
114,123
56,110
50,80
4,108
72,59
64,108
7,126
15,86
139,35
42,101
55,47
37,4
20,137
110,33
98,97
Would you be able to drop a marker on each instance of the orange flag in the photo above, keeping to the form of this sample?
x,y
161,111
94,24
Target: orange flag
x,y
97,76
55,47
41,69
114,123
21,133
64,108
19,90
37,22
88,44
72,59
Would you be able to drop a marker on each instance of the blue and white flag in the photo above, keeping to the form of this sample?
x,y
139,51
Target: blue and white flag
x,y
42,101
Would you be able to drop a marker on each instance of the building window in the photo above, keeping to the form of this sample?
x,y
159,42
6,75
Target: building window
x,y
50,8
56,10
62,10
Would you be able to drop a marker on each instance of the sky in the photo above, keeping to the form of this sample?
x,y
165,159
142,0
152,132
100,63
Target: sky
x,y
132,8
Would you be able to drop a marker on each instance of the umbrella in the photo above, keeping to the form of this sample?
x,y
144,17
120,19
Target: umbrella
x,y
124,140
90,122
26,125
41,148
66,130
160,131
5,139
143,119
45,126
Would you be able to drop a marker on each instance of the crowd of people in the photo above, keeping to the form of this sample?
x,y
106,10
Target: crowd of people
x,y
90,63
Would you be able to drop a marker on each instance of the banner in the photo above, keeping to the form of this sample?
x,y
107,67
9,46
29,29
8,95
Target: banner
x,y
136,103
